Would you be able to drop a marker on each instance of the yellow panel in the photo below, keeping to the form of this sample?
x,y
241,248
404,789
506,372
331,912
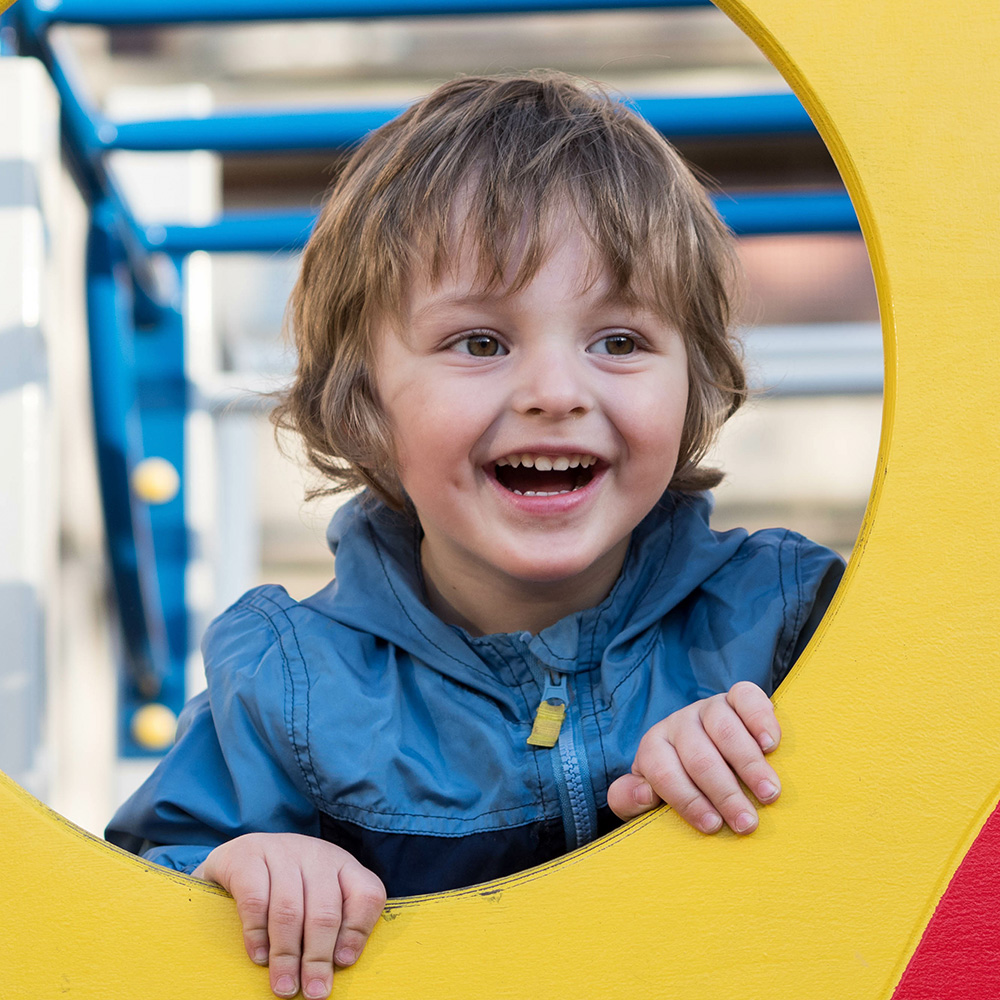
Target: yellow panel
x,y
890,761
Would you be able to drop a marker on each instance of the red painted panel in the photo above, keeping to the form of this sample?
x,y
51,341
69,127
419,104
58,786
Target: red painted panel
x,y
958,957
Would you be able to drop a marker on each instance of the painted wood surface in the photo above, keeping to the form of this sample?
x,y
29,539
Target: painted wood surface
x,y
890,761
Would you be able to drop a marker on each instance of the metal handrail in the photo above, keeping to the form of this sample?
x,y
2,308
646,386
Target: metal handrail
x,y
263,130
124,12
746,214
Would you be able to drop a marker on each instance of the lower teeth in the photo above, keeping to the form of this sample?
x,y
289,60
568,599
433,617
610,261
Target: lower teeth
x,y
539,493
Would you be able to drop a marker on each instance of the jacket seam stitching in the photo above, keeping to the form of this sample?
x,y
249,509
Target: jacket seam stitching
x,y
597,727
302,754
415,815
791,615
663,561
434,833
592,681
651,641
555,655
408,616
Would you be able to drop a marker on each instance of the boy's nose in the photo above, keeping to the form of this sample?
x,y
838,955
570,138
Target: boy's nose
x,y
552,386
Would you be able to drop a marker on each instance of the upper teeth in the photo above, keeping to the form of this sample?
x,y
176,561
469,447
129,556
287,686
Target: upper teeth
x,y
546,463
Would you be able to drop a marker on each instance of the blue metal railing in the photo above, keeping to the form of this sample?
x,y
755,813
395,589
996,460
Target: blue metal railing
x,y
140,394
160,12
745,214
341,128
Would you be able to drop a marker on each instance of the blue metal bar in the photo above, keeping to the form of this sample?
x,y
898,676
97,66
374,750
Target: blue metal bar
x,y
746,214
120,12
341,128
118,435
80,121
264,232
86,132
788,212
161,391
254,131
742,114
8,35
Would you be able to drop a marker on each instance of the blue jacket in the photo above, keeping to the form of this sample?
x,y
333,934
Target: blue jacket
x,y
360,717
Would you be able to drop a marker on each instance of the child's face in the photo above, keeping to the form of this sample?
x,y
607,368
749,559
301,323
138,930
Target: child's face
x,y
533,429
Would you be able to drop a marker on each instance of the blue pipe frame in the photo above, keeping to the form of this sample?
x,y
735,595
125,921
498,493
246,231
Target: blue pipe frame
x,y
746,215
165,12
341,128
135,323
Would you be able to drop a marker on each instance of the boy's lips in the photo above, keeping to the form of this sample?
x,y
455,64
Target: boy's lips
x,y
545,473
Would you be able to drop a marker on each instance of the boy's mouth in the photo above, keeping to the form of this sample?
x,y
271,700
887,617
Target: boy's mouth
x,y
528,474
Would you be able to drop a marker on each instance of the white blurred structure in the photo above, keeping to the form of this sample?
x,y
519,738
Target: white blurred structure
x,y
57,669
29,181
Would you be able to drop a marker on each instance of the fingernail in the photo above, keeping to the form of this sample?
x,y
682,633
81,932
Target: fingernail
x,y
285,986
745,822
317,989
766,791
710,823
345,956
260,956
643,795
766,742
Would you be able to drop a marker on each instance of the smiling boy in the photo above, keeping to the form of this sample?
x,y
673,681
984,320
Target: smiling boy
x,y
513,329
487,391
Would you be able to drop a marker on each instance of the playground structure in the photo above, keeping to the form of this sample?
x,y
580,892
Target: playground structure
x,y
832,895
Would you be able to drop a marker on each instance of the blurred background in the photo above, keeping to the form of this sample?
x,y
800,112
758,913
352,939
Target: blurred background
x,y
801,454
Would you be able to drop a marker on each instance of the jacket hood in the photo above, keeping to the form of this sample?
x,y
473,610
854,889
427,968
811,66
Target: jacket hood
x,y
672,552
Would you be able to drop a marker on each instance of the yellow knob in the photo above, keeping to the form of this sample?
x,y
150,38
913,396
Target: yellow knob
x,y
154,726
155,480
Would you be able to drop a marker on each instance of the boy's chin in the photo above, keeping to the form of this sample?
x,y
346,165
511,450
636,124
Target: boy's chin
x,y
552,572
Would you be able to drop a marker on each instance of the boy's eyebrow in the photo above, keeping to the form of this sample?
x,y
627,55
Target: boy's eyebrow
x,y
482,297
613,299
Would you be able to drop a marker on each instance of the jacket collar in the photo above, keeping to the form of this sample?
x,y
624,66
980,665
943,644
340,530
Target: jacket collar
x,y
672,552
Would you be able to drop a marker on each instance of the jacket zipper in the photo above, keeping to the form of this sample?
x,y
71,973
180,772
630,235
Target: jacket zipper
x,y
558,725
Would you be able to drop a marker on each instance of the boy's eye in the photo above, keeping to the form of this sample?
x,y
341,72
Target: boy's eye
x,y
481,345
617,344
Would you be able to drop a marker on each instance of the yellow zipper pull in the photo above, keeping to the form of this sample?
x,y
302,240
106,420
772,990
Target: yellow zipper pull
x,y
550,712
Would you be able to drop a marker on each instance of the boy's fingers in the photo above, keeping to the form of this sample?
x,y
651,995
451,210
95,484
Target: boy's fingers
x,y
631,795
659,762
705,767
754,707
323,917
284,926
249,885
740,750
364,900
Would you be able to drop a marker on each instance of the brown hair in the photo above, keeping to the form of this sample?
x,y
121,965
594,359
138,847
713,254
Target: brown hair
x,y
522,147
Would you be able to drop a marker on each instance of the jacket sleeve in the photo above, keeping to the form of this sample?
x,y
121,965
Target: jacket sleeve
x,y
810,576
234,768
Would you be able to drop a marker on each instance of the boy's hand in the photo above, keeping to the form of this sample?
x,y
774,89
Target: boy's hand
x,y
693,758
305,905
